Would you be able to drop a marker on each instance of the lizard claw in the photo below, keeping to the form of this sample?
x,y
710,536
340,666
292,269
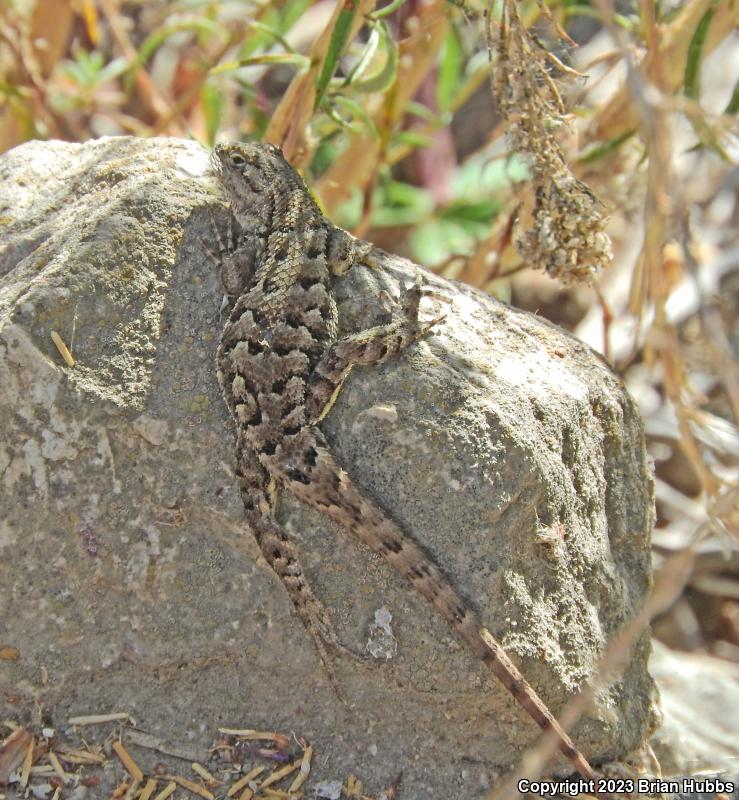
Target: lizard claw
x,y
328,638
411,302
434,294
324,640
208,252
414,293
428,327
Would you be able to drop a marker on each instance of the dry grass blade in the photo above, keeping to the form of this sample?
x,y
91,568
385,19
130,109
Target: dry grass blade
x,y
75,756
279,774
27,763
191,786
242,783
621,115
13,752
167,791
31,89
125,758
50,29
101,719
249,734
58,768
149,92
296,107
302,776
208,777
148,790
62,348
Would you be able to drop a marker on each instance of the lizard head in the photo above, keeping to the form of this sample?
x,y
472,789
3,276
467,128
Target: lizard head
x,y
254,175
262,185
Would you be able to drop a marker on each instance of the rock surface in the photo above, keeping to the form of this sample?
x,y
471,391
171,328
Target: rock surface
x,y
129,580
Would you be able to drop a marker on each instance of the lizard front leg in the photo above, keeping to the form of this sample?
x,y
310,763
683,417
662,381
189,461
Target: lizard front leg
x,y
365,348
238,253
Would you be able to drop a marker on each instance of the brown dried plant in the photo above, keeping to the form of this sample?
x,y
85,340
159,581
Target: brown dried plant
x,y
566,236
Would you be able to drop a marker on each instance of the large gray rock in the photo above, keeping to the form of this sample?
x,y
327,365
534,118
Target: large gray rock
x,y
129,581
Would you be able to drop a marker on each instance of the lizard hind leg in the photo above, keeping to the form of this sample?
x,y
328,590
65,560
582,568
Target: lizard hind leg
x,y
258,494
312,473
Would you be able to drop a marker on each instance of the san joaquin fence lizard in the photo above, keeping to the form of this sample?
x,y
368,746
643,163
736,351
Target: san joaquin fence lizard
x,y
281,362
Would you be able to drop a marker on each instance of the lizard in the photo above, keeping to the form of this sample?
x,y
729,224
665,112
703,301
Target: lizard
x,y
281,363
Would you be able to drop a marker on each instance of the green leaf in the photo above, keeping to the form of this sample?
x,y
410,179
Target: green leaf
x,y
349,212
84,69
300,61
211,102
471,212
733,107
691,81
385,76
401,204
259,123
339,36
423,112
412,139
479,176
324,155
113,70
450,70
357,112
364,60
261,36
156,39
292,12
271,27
603,149
89,70
344,124
386,10
273,34
434,240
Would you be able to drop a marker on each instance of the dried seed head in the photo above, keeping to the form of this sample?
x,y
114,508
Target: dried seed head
x,y
567,238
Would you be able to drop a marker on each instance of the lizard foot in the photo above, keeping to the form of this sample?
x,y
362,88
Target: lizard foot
x,y
324,639
224,245
329,639
410,303
234,257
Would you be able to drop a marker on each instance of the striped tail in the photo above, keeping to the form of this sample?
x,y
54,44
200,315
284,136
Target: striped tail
x,y
331,491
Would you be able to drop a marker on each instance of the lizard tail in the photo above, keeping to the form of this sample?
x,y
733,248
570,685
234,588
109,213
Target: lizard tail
x,y
510,676
331,491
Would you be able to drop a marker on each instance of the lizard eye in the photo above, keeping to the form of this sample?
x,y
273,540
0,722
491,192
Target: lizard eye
x,y
237,160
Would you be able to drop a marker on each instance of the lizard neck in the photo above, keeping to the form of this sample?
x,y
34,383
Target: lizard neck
x,y
298,244
295,243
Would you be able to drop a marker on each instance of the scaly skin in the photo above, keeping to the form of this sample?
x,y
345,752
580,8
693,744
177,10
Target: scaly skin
x,y
281,362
